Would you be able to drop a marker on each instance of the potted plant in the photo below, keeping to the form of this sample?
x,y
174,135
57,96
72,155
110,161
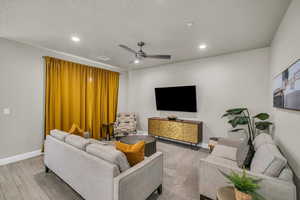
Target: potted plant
x,y
241,117
245,187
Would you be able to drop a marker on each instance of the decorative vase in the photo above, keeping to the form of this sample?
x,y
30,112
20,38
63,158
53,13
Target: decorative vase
x,y
172,117
241,195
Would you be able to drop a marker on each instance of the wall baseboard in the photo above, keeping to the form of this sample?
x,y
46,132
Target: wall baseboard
x,y
19,157
204,145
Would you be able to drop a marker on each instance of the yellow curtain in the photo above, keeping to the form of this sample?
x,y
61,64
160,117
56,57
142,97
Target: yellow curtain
x,y
80,94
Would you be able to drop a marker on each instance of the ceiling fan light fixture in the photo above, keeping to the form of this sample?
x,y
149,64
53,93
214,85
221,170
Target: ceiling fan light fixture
x,y
136,61
140,54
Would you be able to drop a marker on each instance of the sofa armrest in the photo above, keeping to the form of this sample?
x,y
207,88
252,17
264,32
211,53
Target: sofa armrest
x,y
139,182
210,179
235,143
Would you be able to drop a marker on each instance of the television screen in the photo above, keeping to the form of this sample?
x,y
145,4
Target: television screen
x,y
181,98
286,91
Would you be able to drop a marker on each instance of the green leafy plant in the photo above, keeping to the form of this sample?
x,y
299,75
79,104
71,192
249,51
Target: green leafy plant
x,y
244,183
241,117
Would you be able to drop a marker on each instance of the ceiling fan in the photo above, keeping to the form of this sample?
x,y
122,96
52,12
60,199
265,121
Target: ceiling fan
x,y
140,54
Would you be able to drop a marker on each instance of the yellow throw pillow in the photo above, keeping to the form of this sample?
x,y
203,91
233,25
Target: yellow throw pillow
x,y
133,152
76,130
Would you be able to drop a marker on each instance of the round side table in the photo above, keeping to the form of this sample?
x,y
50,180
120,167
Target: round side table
x,y
213,141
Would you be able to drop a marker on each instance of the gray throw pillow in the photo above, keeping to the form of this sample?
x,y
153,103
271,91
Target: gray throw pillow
x,y
268,160
262,139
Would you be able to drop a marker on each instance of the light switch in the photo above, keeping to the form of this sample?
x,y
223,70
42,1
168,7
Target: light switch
x,y
6,111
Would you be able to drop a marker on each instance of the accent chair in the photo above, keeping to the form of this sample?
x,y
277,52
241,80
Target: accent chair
x,y
125,124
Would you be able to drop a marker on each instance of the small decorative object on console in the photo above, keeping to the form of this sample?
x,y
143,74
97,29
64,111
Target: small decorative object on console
x,y
172,117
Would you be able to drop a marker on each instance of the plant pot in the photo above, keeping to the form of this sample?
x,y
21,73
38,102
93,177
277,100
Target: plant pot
x,y
241,195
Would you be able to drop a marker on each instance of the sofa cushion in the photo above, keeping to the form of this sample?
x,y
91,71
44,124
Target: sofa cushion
x,y
133,152
58,134
109,154
77,141
226,152
268,160
94,141
262,139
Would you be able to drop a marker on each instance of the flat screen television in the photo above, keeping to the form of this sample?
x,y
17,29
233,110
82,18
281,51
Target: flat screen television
x,y
182,98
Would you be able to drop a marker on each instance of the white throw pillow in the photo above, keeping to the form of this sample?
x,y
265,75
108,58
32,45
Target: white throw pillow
x,y
58,134
262,139
268,160
110,154
77,141
226,152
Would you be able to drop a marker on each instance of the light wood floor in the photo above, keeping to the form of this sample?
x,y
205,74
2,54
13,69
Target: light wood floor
x,y
26,180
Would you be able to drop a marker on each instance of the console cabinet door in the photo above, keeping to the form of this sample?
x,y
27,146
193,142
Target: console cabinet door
x,y
153,126
164,129
190,132
176,131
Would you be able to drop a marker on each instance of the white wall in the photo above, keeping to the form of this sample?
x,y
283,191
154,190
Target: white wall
x,y
223,82
285,50
22,90
123,92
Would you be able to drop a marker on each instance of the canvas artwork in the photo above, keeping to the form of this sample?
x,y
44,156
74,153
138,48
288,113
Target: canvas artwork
x,y
286,92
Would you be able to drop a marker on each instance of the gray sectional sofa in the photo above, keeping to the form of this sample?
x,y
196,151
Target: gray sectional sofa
x,y
99,172
267,164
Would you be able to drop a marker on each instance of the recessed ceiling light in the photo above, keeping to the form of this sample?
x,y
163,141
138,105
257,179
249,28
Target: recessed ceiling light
x,y
136,61
202,46
75,39
189,24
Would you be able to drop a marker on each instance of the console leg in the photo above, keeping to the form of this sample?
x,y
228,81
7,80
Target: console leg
x,y
159,189
202,197
47,169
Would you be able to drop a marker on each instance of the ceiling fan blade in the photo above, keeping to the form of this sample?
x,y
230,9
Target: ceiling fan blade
x,y
159,56
127,48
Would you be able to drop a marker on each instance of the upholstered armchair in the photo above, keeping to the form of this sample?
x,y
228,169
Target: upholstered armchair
x,y
125,124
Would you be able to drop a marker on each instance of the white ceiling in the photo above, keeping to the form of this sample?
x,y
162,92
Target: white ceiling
x,y
224,25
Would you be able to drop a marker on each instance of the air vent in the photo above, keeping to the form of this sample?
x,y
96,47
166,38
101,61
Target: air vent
x,y
103,58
